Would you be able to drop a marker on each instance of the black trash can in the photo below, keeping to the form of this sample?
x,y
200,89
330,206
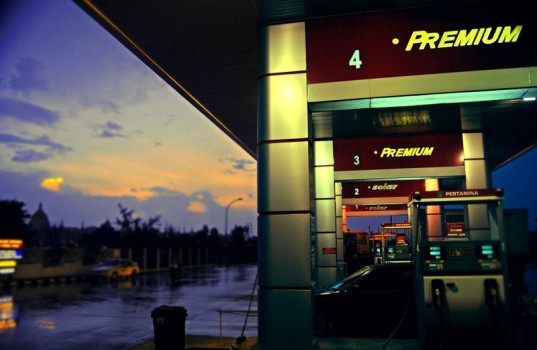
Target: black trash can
x,y
169,327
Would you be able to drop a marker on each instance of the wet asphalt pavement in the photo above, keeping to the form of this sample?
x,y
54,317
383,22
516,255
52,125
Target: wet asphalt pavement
x,y
105,316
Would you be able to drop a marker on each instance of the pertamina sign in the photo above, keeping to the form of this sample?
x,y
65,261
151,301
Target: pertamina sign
x,y
462,193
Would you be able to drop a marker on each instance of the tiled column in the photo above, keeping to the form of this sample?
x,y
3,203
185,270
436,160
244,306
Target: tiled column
x,y
285,192
434,213
329,245
476,172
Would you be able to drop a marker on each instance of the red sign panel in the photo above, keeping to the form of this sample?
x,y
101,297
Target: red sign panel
x,y
329,251
421,151
429,40
376,207
376,189
455,228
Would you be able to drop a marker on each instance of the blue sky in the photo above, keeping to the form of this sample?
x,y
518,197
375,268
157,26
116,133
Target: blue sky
x,y
517,178
85,126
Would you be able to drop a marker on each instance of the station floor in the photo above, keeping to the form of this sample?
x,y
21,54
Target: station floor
x,y
216,343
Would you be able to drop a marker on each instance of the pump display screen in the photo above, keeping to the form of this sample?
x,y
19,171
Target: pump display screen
x,y
461,252
435,252
462,257
487,251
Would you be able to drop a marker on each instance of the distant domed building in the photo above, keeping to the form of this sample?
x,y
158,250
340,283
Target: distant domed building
x,y
39,220
39,224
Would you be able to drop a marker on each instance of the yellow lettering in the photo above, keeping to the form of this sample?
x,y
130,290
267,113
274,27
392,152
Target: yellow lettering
x,y
508,36
433,37
408,152
447,39
487,39
423,38
417,38
479,35
387,152
464,38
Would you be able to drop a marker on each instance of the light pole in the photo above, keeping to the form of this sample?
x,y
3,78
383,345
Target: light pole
x,y
227,210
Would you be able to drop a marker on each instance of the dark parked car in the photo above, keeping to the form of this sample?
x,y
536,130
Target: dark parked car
x,y
370,303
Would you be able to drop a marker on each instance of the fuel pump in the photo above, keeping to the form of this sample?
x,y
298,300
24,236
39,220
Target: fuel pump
x,y
396,249
461,279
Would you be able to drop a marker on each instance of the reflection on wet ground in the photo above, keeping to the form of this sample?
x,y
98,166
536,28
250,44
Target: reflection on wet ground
x,y
108,316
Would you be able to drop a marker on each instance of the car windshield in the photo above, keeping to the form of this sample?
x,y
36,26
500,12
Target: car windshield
x,y
344,283
110,263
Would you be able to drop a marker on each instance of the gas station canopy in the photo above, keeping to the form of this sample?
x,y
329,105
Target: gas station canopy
x,y
208,52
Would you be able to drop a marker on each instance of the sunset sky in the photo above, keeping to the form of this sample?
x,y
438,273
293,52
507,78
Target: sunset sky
x,y
85,126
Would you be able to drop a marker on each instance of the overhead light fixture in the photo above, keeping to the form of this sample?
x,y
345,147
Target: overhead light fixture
x,y
453,97
528,94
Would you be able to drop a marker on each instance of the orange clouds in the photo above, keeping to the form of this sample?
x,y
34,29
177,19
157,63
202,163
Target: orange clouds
x,y
52,183
196,207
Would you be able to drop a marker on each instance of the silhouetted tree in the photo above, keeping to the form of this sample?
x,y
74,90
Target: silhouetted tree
x,y
214,237
238,244
12,218
202,236
107,236
126,223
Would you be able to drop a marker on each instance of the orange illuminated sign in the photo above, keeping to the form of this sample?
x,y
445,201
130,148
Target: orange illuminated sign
x,y
10,243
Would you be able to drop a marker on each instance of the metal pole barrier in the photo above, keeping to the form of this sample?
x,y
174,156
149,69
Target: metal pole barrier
x,y
242,338
221,342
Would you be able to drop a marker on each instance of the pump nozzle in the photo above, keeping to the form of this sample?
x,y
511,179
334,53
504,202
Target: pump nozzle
x,y
438,290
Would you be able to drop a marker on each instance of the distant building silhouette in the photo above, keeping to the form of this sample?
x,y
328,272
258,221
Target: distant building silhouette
x,y
39,224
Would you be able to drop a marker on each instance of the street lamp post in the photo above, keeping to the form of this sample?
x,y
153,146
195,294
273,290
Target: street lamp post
x,y
227,210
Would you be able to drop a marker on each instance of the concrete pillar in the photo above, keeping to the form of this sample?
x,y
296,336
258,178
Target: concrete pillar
x,y
477,174
286,218
341,266
329,247
435,215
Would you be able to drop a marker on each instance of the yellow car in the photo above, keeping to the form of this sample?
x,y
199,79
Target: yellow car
x,y
115,269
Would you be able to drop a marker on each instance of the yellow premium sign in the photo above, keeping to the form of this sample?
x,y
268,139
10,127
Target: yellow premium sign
x,y
456,38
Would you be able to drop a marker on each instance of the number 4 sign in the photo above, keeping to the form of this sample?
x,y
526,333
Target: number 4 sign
x,y
355,59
